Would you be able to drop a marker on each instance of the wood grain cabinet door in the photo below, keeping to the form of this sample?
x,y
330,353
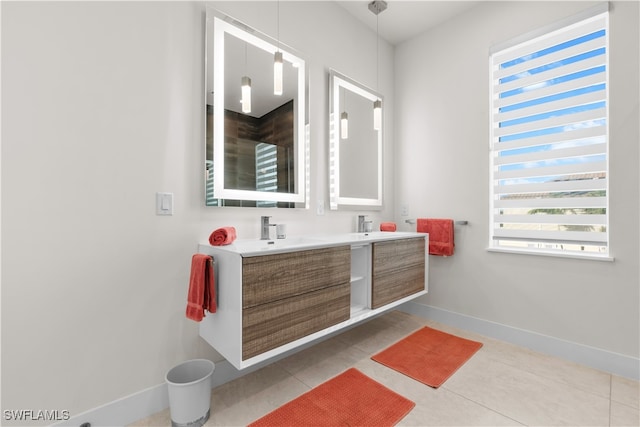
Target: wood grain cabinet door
x,y
267,326
291,295
398,270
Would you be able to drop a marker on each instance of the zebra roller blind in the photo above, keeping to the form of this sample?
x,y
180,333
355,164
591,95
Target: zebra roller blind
x,y
549,141
266,171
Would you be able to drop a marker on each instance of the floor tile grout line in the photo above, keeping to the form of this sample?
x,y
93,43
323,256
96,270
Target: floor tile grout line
x,y
534,374
484,406
554,379
610,397
617,402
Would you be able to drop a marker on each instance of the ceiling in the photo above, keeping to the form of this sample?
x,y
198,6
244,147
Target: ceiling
x,y
403,20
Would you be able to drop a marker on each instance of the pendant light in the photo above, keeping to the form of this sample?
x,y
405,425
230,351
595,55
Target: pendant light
x,y
245,84
277,62
376,7
277,74
377,114
246,94
344,125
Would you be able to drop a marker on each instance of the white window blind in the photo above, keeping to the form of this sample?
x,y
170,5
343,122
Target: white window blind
x,y
549,141
266,171
210,199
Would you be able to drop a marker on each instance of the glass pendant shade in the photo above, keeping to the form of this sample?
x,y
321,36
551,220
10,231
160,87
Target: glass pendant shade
x,y
277,74
344,125
377,114
246,94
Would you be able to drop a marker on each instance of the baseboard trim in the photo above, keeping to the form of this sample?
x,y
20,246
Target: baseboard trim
x,y
614,363
144,403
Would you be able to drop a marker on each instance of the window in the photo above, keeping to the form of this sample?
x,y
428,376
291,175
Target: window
x,y
266,171
549,141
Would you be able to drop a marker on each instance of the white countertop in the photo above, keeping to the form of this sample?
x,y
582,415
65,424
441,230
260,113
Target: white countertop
x,y
253,247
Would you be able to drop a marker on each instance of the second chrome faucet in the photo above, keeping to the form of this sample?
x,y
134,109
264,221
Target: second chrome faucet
x,y
264,227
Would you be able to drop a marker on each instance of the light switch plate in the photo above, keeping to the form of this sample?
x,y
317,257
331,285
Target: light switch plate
x,y
164,203
320,207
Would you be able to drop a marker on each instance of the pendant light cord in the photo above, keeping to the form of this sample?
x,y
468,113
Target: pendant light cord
x,y
377,53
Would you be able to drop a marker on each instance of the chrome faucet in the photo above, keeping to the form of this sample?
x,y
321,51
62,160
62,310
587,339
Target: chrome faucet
x,y
361,223
264,227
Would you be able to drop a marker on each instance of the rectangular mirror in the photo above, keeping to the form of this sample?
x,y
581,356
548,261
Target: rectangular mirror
x,y
256,140
355,147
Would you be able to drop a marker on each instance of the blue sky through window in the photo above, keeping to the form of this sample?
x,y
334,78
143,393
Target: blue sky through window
x,y
553,65
554,97
550,98
552,130
548,114
554,146
554,81
555,48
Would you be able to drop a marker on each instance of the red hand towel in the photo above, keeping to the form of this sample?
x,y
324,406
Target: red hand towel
x,y
387,226
222,236
440,235
202,288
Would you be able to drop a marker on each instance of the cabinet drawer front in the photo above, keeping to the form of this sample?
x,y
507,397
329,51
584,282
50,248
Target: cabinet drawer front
x,y
270,278
398,270
268,326
392,286
397,254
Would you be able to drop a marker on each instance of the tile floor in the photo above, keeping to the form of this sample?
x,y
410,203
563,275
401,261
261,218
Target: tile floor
x,y
502,384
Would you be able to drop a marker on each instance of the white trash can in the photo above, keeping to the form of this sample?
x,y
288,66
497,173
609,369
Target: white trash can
x,y
189,387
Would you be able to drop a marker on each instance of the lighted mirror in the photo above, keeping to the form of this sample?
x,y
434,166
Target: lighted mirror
x,y
256,140
355,147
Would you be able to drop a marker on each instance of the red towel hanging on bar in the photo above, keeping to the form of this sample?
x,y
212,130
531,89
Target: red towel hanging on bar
x,y
440,235
202,288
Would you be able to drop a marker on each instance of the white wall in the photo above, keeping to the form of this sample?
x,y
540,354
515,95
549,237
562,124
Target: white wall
x,y
442,130
102,107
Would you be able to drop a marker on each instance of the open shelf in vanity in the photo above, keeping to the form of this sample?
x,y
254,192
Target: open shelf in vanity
x,y
360,278
274,298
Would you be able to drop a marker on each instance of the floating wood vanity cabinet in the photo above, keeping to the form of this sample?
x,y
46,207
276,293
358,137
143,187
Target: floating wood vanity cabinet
x,y
274,297
291,295
398,270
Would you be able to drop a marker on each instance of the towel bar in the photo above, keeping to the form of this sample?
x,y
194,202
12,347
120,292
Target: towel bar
x,y
215,278
413,221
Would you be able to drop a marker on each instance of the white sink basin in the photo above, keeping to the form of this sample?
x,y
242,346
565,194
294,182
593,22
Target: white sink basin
x,y
370,235
251,245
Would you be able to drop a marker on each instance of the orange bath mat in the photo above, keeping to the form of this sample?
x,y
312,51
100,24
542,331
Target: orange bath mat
x,y
350,399
428,355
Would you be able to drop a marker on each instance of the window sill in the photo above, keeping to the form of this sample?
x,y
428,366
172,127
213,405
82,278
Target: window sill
x,y
591,257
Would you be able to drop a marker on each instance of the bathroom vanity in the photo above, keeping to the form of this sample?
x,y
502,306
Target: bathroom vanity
x,y
276,295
